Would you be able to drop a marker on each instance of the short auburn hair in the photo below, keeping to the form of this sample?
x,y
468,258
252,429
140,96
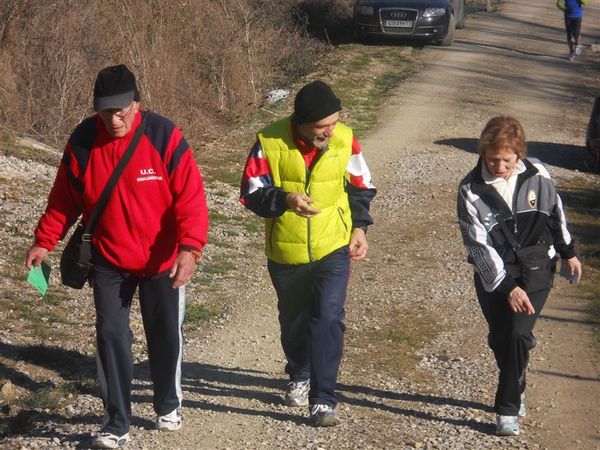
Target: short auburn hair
x,y
503,132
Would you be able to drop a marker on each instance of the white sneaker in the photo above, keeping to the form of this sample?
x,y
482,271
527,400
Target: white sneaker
x,y
323,416
169,422
109,440
297,393
578,49
507,425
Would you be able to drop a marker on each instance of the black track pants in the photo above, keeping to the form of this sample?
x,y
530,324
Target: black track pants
x,y
162,310
510,338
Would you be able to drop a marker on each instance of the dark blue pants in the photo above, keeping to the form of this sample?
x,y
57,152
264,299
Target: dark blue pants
x,y
162,309
311,300
510,338
573,28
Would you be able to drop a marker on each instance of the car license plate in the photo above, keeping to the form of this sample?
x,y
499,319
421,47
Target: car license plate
x,y
398,23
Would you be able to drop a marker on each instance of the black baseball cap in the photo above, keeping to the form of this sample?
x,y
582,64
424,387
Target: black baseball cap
x,y
115,88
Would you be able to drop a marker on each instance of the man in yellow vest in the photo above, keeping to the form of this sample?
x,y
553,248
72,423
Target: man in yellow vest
x,y
307,176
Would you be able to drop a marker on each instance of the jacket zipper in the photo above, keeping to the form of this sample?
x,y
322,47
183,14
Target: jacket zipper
x,y
518,186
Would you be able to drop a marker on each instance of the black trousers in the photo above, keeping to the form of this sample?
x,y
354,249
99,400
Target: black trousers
x,y
311,300
573,28
510,338
162,309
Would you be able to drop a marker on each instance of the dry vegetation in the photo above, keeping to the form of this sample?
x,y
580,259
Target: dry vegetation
x,y
201,62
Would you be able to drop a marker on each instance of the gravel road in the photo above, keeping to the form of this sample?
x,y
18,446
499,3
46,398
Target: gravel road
x,y
415,277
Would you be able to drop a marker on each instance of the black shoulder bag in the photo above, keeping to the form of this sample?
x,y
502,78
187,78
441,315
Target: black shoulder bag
x,y
532,271
76,258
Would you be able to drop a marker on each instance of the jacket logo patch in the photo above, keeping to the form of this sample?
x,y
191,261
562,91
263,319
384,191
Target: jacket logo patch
x,y
531,198
148,175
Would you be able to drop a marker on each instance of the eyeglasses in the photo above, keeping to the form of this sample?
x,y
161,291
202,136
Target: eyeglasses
x,y
120,114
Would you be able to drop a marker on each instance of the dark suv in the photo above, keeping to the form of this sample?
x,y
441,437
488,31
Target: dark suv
x,y
431,20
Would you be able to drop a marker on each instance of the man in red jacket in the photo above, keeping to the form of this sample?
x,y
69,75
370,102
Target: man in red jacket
x,y
150,236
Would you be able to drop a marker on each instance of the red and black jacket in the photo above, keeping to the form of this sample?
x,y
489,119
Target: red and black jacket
x,y
157,208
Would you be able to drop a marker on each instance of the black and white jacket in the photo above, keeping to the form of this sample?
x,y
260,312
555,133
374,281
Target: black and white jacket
x,y
537,217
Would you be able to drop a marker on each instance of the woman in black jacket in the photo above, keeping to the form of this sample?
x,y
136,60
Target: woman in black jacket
x,y
514,229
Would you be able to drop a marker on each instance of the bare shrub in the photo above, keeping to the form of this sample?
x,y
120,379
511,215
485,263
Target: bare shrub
x,y
200,62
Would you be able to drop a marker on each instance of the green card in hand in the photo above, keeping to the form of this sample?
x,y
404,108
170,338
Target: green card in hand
x,y
38,277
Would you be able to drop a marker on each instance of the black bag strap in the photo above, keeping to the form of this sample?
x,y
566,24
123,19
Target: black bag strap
x,y
112,181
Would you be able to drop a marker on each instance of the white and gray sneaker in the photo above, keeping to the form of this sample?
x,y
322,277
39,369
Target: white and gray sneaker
x,y
323,416
109,440
507,425
169,422
297,393
522,408
578,49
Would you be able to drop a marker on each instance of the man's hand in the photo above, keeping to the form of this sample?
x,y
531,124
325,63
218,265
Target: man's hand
x,y
299,202
35,256
358,245
574,266
183,269
518,300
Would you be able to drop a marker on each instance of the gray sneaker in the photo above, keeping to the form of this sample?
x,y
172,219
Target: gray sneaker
x,y
571,56
297,393
109,440
323,416
522,409
507,425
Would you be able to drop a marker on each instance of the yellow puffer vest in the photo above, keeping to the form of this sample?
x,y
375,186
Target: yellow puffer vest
x,y
289,238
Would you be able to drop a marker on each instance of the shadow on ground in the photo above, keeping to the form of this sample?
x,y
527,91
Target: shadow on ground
x,y
206,382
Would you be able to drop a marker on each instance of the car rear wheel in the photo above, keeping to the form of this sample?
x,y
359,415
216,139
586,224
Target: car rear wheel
x,y
449,38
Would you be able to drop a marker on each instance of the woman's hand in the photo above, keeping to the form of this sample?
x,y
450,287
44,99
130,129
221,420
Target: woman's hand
x,y
518,300
574,266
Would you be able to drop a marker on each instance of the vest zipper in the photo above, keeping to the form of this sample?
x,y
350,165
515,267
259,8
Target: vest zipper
x,y
307,189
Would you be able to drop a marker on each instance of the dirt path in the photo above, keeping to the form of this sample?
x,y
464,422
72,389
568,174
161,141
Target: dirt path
x,y
402,384
501,63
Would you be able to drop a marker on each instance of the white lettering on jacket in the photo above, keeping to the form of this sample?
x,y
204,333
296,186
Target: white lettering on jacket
x,y
148,175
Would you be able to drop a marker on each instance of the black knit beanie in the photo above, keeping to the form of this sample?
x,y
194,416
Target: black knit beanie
x,y
115,88
314,102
